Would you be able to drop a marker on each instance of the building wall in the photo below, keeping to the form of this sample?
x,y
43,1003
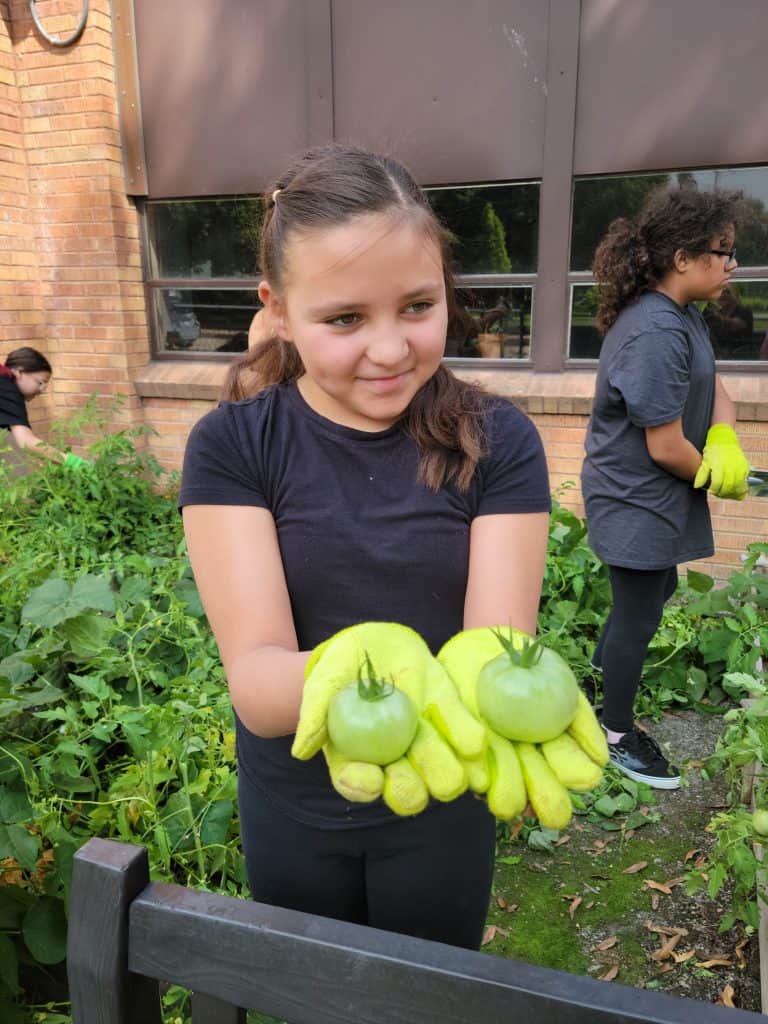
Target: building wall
x,y
71,238
71,277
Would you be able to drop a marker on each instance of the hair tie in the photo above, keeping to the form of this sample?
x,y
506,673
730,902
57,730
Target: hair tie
x,y
275,194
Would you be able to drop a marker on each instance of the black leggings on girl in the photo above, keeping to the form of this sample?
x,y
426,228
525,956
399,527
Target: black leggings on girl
x,y
639,596
428,876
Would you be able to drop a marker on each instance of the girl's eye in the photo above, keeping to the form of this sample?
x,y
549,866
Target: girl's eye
x,y
343,320
419,307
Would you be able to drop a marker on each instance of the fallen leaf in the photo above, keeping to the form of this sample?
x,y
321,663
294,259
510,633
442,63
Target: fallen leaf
x,y
610,974
634,868
665,950
575,904
511,907
501,902
649,883
682,958
489,934
715,961
588,906
726,997
739,951
690,855
563,840
655,899
666,967
664,929
607,943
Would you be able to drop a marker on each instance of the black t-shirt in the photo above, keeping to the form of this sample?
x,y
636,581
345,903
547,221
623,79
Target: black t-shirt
x,y
13,408
360,539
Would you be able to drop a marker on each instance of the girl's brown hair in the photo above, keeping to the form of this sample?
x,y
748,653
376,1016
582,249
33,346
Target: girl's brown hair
x,y
328,186
28,360
636,254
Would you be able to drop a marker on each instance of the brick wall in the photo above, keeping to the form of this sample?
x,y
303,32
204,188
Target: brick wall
x,y
73,240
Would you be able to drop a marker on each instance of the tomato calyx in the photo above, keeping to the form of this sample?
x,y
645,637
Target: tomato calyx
x,y
370,685
526,655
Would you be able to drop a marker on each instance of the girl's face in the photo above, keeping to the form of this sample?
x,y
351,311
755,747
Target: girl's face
x,y
364,304
31,382
708,274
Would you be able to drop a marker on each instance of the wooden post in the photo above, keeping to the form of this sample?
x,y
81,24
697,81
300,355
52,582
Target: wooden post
x,y
106,877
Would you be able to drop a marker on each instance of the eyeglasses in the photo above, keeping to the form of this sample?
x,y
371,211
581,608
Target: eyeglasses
x,y
730,254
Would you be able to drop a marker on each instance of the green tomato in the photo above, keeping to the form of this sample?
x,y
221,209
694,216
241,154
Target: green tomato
x,y
527,694
372,721
760,821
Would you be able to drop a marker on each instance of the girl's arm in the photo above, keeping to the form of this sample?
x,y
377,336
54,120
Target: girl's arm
x,y
670,448
506,569
723,409
26,438
238,570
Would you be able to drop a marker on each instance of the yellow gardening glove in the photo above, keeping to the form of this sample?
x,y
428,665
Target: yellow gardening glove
x,y
724,468
572,760
446,731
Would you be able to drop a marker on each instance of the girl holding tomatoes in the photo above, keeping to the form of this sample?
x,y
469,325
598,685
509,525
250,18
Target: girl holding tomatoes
x,y
361,481
661,431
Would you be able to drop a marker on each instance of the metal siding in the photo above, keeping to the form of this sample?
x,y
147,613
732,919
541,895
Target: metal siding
x,y
671,84
457,91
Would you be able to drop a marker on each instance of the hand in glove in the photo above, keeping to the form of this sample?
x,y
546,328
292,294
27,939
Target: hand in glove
x,y
76,462
724,468
445,730
516,773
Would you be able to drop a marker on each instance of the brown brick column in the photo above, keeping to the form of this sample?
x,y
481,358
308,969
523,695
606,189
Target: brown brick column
x,y
78,232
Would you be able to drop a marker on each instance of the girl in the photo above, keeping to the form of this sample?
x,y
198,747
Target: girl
x,y
25,375
362,482
658,403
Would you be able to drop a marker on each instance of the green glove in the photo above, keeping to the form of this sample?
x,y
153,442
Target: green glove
x,y
446,731
512,774
724,468
76,462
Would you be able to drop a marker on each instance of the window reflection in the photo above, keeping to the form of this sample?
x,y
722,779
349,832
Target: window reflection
x,y
204,238
495,227
203,320
738,322
598,201
491,323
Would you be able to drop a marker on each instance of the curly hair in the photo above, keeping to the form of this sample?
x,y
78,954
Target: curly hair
x,y
635,255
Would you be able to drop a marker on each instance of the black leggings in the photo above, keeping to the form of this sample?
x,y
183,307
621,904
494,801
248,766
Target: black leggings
x,y
639,596
428,876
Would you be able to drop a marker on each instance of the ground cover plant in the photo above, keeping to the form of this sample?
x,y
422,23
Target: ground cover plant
x,y
114,717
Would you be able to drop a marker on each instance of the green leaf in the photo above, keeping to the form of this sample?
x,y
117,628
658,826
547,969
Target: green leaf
x,y
14,806
16,842
699,581
92,684
216,821
9,964
16,669
134,590
606,806
45,930
11,1013
88,634
94,592
47,604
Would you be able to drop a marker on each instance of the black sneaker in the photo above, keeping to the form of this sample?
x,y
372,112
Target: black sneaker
x,y
638,756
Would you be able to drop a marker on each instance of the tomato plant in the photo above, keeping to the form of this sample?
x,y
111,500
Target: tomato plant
x,y
371,720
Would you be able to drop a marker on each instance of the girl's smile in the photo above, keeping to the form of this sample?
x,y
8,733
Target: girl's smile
x,y
364,303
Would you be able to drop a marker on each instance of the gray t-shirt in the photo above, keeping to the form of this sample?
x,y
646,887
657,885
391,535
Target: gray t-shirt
x,y
656,365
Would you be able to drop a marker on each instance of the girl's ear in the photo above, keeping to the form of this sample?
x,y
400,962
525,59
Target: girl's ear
x,y
275,310
681,261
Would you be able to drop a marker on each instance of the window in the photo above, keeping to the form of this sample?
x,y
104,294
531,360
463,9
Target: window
x,y
202,273
495,232
739,321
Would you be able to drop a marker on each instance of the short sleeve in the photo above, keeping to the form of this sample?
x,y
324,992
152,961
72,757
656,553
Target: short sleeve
x,y
514,475
13,408
652,374
219,465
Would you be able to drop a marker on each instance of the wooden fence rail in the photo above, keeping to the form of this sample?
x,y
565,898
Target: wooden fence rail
x,y
126,935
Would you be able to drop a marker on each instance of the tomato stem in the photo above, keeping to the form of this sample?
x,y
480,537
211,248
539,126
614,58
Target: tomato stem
x,y
370,686
526,655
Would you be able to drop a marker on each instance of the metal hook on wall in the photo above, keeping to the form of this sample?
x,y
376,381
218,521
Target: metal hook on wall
x,y
54,40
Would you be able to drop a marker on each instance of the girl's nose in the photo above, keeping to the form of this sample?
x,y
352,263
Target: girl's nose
x,y
388,346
